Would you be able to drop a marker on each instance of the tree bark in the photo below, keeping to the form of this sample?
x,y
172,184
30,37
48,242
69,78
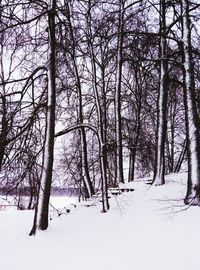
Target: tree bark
x,y
42,208
84,154
181,157
119,150
3,109
134,145
192,130
3,132
159,172
101,132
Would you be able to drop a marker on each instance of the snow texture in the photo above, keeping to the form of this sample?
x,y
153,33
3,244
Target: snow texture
x,y
149,228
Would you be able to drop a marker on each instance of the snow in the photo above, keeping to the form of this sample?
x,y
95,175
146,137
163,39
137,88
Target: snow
x,y
149,228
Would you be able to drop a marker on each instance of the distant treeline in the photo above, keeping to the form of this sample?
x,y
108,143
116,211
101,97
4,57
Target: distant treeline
x,y
26,191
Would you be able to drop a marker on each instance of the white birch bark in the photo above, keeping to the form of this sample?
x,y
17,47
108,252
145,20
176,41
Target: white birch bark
x,y
162,127
42,208
192,196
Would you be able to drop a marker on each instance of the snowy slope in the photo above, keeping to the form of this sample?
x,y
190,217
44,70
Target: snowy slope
x,y
149,228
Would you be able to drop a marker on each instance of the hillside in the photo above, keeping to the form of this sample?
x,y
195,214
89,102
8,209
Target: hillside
x,y
149,228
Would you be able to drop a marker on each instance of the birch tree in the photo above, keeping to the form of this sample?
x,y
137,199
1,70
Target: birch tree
x,y
192,128
159,172
42,209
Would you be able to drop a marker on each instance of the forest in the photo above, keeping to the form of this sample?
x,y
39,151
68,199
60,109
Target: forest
x,y
97,93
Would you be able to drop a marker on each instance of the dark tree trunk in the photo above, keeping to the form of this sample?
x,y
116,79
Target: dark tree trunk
x,y
132,156
134,145
181,157
84,153
4,129
119,151
101,131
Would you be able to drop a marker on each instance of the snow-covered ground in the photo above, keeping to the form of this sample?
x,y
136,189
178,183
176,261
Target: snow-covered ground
x,y
149,228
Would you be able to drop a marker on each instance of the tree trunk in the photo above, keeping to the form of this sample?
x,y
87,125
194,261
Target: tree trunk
x,y
181,157
3,132
159,172
101,132
132,156
134,146
119,150
3,110
192,132
171,141
42,209
133,152
84,155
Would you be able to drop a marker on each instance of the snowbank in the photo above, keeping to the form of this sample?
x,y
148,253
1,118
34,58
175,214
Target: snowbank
x,y
149,228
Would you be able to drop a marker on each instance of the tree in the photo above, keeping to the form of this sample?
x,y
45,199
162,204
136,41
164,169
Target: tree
x,y
20,147
119,152
101,127
83,153
159,172
192,127
42,208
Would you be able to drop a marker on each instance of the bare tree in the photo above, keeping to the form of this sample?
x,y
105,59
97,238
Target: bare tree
x,y
159,172
84,153
99,112
42,209
192,127
119,152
